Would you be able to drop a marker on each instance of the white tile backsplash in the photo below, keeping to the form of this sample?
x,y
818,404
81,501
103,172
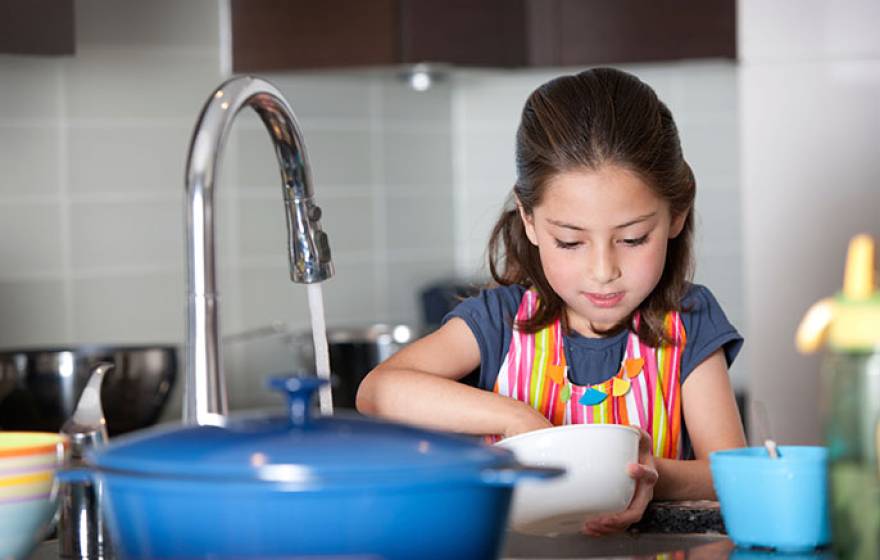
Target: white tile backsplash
x,y
337,156
718,221
28,160
318,97
703,92
402,104
409,277
347,220
141,307
350,222
340,156
32,312
712,150
491,96
418,158
30,88
141,233
134,160
348,296
785,31
31,234
269,295
262,228
489,162
421,220
139,83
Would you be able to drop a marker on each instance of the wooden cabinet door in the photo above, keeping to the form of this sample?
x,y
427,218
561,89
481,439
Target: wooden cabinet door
x,y
464,32
301,34
42,27
617,31
305,34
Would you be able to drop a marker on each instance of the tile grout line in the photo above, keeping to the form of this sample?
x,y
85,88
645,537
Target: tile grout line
x,y
226,207
65,204
234,302
224,23
459,181
380,204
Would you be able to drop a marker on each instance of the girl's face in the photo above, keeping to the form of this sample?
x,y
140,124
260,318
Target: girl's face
x,y
602,237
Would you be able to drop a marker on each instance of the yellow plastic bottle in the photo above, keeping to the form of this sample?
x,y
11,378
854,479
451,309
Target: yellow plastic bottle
x,y
850,323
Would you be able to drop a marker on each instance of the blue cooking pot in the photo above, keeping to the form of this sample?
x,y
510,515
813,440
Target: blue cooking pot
x,y
298,485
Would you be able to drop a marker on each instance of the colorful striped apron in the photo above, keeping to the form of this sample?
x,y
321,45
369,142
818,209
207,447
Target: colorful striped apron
x,y
645,392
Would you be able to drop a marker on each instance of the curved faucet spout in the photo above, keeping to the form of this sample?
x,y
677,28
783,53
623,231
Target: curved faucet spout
x,y
308,248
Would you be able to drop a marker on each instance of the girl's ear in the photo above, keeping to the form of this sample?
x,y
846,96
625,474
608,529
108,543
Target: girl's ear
x,y
678,224
528,224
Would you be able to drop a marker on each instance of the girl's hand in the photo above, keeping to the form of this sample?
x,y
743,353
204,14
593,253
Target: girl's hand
x,y
526,419
645,475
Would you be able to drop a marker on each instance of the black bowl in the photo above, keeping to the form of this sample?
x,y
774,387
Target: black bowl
x,y
41,386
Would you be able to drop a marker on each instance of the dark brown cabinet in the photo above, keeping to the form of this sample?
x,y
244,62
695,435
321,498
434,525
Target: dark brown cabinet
x,y
41,27
307,34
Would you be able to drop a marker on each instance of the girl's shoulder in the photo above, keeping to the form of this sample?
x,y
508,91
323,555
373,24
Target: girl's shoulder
x,y
698,299
496,304
490,315
707,328
700,307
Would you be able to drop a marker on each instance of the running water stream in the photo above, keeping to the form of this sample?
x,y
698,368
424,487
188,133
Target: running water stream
x,y
322,354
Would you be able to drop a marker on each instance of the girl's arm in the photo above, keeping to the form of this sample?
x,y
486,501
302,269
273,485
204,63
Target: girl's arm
x,y
713,423
419,385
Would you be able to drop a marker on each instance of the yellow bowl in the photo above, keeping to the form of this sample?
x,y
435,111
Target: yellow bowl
x,y
28,488
28,461
27,485
15,446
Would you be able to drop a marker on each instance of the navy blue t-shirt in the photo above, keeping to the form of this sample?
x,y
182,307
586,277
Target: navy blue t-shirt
x,y
591,361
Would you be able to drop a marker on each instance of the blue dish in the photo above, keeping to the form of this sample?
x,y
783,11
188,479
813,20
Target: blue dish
x,y
300,486
774,503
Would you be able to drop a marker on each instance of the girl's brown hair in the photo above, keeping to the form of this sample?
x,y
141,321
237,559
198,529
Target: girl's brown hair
x,y
599,117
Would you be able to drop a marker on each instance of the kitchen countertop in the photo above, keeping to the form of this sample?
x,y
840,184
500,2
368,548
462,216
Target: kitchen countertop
x,y
634,546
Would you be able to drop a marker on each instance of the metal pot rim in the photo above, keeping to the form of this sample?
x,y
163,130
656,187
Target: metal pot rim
x,y
81,349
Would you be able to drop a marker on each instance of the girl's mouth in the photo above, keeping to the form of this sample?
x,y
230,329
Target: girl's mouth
x,y
605,300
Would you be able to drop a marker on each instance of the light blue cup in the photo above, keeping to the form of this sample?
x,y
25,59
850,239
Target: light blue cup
x,y
774,503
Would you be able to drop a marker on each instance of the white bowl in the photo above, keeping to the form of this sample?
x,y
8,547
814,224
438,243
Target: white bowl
x,y
596,482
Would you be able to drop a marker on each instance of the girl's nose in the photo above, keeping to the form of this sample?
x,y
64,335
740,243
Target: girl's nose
x,y
605,267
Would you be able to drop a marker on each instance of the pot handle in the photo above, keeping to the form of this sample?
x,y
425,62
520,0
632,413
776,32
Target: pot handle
x,y
510,475
299,391
74,475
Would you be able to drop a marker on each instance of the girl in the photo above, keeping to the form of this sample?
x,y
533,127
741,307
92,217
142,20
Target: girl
x,y
593,318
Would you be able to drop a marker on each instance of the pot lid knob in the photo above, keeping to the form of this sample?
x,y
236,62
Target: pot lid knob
x,y
299,391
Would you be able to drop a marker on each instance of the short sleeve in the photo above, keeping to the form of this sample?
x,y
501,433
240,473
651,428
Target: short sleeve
x,y
490,316
707,329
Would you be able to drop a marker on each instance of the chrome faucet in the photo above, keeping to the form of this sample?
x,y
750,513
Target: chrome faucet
x,y
308,249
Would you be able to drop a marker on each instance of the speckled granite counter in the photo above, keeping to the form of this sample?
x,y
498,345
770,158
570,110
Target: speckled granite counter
x,y
626,546
669,530
522,547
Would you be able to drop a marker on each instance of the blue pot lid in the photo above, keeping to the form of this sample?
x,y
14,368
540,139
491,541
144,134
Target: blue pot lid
x,y
301,450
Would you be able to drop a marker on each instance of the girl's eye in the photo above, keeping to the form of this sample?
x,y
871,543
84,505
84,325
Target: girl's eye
x,y
634,242
566,245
